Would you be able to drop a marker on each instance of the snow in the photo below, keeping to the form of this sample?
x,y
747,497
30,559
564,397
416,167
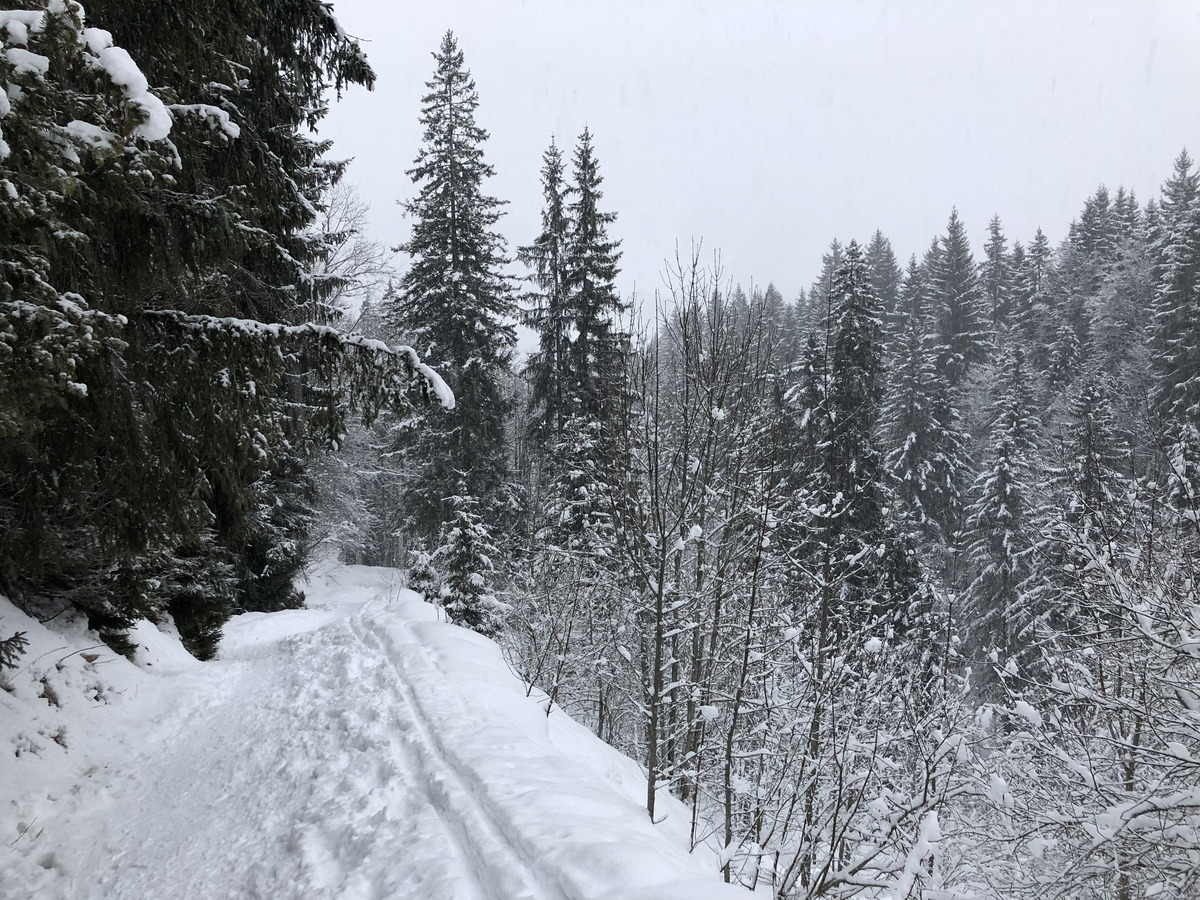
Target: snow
x,y
925,847
124,73
18,23
1028,713
437,386
97,39
88,133
25,62
360,747
214,114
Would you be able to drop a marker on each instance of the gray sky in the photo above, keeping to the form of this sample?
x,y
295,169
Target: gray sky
x,y
769,128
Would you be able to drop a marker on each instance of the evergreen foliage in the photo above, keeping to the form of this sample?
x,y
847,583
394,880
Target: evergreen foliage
x,y
749,561
455,305
958,309
11,649
549,367
597,347
844,495
1001,519
920,422
466,555
1175,340
151,307
996,274
578,375
886,274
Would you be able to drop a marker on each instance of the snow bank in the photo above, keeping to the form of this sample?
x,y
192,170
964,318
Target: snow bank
x,y
570,806
358,747
69,708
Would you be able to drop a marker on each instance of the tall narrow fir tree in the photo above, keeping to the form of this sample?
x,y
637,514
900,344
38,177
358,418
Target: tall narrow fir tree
x,y
455,305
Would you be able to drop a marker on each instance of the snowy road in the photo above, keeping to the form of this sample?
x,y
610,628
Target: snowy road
x,y
355,749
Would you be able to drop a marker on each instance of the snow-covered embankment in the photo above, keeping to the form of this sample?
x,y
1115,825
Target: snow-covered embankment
x,y
357,748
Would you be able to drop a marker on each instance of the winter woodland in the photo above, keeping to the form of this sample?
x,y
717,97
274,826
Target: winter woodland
x,y
891,584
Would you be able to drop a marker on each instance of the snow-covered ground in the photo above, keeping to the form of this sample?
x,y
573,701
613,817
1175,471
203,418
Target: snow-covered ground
x,y
358,748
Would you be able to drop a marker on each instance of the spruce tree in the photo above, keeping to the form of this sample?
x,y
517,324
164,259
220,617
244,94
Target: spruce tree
x,y
1095,448
1039,261
1096,230
886,274
455,305
925,456
1032,312
142,258
1127,216
549,368
996,274
821,291
1021,295
846,523
958,312
1175,336
1001,524
597,347
465,555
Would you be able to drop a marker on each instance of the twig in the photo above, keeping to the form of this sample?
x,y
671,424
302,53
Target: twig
x,y
28,828
8,682
81,650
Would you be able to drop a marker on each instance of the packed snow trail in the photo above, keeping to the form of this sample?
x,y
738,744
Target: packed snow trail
x,y
358,748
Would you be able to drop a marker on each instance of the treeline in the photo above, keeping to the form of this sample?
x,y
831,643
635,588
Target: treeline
x,y
162,389
893,583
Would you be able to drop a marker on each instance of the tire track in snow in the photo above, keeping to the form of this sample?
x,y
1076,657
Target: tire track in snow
x,y
281,775
504,869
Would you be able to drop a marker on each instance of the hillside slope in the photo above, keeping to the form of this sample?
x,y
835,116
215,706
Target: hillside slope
x,y
358,748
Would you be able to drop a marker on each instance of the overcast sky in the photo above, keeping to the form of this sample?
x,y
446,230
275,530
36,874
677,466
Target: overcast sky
x,y
769,128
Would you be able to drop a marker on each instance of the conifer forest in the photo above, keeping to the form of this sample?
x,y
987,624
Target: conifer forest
x,y
894,582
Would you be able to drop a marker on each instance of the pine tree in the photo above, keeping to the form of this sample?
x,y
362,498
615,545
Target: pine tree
x,y
577,515
1095,232
1175,337
1127,217
886,274
549,369
1066,353
246,84
822,289
920,423
1121,320
996,274
465,555
842,493
779,319
1032,310
1094,449
855,389
137,255
1039,260
958,306
597,348
1000,521
455,303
